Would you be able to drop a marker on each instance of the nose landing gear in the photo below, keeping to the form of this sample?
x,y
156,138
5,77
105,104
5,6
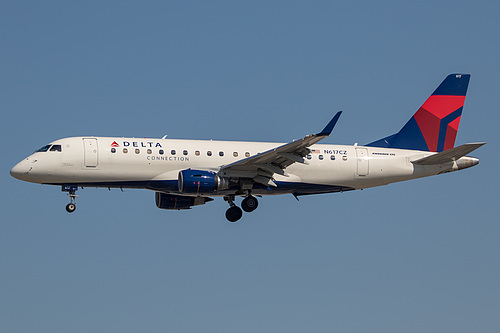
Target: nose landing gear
x,y
70,208
71,189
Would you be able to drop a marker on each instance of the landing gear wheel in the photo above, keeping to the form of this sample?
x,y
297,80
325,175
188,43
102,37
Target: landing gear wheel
x,y
249,204
70,208
234,213
71,189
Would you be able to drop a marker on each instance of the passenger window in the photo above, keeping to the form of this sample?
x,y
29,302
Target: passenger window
x,y
172,152
197,153
221,153
56,148
209,153
247,154
43,149
320,157
235,154
113,150
137,151
309,157
149,151
332,157
185,152
161,152
125,150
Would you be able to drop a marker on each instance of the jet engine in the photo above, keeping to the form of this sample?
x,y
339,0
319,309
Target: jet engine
x,y
170,201
198,182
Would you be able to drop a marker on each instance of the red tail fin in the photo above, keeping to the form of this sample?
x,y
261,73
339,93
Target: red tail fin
x,y
434,126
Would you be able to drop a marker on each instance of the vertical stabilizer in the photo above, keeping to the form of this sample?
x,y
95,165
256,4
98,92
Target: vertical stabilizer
x,y
434,126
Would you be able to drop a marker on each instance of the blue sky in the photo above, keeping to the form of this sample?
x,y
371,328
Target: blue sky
x,y
414,256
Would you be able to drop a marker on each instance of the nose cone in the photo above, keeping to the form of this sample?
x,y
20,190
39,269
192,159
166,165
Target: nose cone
x,y
20,170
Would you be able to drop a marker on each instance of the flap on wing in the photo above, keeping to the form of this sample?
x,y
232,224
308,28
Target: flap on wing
x,y
449,155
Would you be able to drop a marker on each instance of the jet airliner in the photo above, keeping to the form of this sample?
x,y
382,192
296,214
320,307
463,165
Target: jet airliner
x,y
187,173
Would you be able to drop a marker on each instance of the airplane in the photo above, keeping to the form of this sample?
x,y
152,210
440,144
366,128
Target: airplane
x,y
188,173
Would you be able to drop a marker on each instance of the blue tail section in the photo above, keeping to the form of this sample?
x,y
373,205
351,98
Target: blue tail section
x,y
434,126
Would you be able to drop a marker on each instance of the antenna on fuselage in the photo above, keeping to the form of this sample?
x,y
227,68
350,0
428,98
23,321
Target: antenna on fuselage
x,y
165,136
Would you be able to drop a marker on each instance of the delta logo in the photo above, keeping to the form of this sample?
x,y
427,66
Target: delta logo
x,y
148,144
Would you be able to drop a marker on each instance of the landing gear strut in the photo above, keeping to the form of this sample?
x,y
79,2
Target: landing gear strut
x,y
71,189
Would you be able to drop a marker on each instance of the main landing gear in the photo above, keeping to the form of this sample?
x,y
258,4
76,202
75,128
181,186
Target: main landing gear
x,y
234,213
71,189
249,204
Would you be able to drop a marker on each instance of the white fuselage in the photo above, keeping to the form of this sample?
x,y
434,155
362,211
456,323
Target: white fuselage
x,y
186,173
155,164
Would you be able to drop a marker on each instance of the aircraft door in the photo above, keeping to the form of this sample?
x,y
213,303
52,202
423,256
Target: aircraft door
x,y
90,152
363,162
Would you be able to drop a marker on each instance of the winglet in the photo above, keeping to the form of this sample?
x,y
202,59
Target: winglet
x,y
329,128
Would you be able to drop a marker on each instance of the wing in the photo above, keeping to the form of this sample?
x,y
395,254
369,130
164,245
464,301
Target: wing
x,y
260,168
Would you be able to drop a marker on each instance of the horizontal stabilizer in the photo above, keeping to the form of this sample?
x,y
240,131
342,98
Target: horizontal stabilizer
x,y
449,155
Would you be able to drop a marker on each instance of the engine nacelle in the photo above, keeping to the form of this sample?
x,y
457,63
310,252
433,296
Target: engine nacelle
x,y
198,182
170,201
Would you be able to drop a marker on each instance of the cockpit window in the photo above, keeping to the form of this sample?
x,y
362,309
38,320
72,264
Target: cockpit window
x,y
43,149
49,148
